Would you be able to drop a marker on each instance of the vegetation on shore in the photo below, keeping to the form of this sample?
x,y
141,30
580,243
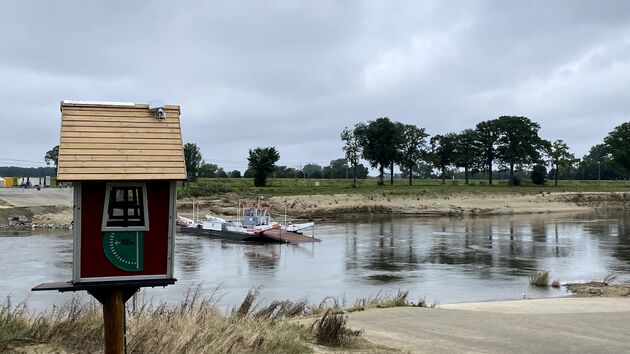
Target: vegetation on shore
x,y
195,325
429,187
539,278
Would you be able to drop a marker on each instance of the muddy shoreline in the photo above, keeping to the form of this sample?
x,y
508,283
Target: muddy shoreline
x,y
599,288
344,207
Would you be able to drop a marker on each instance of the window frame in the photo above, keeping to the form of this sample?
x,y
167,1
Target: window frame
x,y
108,188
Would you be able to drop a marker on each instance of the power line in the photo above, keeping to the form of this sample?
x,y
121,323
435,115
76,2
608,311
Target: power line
x,y
21,164
17,160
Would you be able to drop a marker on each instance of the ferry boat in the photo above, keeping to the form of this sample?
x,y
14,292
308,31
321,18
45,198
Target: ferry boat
x,y
253,223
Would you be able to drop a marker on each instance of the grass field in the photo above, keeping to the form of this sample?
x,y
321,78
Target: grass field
x,y
285,186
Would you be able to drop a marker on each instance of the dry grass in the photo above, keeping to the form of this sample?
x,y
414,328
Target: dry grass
x,y
75,325
195,325
337,305
330,330
539,278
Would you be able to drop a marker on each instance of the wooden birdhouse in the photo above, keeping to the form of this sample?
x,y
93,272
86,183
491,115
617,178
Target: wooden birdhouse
x,y
124,160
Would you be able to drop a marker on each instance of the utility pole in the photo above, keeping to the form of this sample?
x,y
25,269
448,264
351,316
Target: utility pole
x,y
599,170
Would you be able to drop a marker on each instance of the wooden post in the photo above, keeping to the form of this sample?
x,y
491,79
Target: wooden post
x,y
114,321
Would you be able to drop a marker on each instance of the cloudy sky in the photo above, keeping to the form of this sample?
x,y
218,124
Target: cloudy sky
x,y
293,74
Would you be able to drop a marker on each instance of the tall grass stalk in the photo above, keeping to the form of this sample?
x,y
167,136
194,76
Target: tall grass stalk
x,y
194,325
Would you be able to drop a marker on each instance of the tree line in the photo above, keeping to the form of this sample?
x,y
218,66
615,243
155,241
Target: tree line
x,y
262,164
509,143
14,171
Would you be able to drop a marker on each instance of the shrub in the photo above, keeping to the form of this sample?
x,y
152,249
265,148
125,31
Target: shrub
x,y
331,330
539,174
539,278
516,181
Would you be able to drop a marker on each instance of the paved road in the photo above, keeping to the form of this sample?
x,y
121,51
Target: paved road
x,y
567,325
19,197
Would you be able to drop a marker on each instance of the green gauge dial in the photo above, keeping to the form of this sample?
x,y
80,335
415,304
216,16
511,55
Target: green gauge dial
x,y
125,249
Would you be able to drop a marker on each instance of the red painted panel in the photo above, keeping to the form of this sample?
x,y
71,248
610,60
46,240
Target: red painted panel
x,y
93,261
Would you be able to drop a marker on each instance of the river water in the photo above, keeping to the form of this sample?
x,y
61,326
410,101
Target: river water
x,y
440,259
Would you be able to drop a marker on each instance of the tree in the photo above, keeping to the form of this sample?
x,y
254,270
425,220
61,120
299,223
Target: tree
x,y
362,172
208,170
338,169
235,174
352,149
312,171
539,174
413,147
486,137
379,140
598,164
52,156
421,169
560,157
192,156
518,142
443,152
397,142
221,173
285,172
466,153
617,144
262,161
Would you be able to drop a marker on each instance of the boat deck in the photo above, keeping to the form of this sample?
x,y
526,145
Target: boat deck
x,y
288,237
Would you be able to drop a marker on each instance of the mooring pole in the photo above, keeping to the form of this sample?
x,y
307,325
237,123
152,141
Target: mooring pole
x,y
114,321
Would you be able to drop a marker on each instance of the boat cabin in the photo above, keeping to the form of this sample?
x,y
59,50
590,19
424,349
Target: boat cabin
x,y
124,160
255,215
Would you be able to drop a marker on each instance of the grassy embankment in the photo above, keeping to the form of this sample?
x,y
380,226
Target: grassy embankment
x,y
287,187
195,325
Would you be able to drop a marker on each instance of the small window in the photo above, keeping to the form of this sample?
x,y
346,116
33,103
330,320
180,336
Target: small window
x,y
125,208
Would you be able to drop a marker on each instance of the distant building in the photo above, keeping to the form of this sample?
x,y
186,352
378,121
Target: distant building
x,y
9,182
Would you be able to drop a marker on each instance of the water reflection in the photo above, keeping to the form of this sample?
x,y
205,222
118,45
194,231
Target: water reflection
x,y
447,259
486,248
189,256
261,257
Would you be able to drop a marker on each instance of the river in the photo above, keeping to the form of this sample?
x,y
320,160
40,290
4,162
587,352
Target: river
x,y
443,260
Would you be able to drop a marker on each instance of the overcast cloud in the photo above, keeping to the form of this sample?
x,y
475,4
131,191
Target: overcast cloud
x,y
293,74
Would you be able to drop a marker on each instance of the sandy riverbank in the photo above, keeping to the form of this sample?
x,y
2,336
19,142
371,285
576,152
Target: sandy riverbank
x,y
52,208
584,325
341,206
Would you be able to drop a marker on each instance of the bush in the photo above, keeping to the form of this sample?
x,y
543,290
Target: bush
x,y
539,174
539,278
331,330
516,181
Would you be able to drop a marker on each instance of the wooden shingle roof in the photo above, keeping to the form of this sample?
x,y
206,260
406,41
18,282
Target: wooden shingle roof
x,y
119,141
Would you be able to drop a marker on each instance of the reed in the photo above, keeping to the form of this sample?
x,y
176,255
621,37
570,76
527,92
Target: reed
x,y
196,324
330,329
539,278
